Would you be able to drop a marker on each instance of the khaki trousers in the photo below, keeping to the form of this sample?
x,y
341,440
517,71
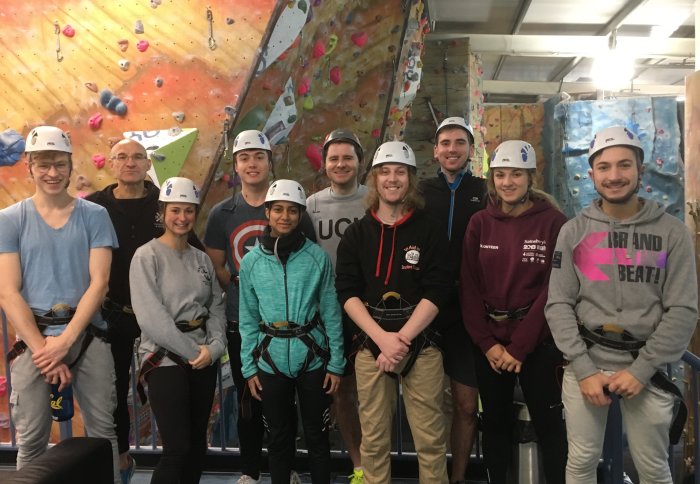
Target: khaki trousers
x,y
422,396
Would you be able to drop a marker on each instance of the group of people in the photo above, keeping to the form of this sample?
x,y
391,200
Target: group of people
x,y
334,299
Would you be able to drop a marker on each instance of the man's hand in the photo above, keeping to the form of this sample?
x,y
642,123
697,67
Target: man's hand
x,y
594,388
60,374
384,364
394,346
509,363
494,355
51,354
331,382
203,359
255,387
625,384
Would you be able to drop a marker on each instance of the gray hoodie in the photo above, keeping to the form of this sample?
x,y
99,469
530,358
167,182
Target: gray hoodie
x,y
638,274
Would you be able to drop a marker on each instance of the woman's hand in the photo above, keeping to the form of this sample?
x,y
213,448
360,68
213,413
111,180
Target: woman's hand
x,y
203,359
331,382
509,363
255,387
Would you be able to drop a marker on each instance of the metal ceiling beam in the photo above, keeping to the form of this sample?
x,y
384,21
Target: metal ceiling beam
x,y
522,11
554,88
612,24
572,45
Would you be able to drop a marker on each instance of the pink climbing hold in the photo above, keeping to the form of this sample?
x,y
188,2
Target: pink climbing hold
x,y
95,121
314,155
142,45
335,75
68,31
359,39
305,87
98,160
376,133
319,49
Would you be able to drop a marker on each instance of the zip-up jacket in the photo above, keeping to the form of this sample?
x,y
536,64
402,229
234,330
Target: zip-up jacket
x,y
638,274
452,205
407,258
295,292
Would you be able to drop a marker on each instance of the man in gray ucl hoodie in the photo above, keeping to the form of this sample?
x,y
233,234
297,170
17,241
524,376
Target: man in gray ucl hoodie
x,y
623,270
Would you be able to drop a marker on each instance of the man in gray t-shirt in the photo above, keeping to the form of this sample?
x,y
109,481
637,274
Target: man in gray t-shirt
x,y
55,255
332,210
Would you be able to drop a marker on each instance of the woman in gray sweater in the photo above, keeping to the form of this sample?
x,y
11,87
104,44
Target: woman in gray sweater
x,y
179,307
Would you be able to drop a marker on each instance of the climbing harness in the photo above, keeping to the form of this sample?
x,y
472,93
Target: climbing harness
x,y
614,337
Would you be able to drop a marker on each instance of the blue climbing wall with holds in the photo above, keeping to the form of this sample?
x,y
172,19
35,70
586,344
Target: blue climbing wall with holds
x,y
654,120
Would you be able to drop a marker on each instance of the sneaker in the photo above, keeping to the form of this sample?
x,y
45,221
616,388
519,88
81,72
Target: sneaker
x,y
294,478
357,476
246,479
128,473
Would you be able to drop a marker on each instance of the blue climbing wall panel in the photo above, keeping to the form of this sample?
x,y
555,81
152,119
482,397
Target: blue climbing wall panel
x,y
654,120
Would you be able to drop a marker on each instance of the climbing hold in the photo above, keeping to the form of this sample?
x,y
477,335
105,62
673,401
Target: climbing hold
x,y
308,103
332,43
157,157
68,31
305,87
95,121
158,81
155,3
659,162
105,96
649,189
376,133
292,118
179,116
335,75
174,131
123,44
230,111
82,182
120,108
142,45
359,38
124,64
92,86
319,49
314,155
11,147
98,160
230,21
138,27
302,5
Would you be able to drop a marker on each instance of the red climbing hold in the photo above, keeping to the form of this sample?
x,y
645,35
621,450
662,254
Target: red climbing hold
x,y
319,49
68,31
95,121
305,87
314,155
359,39
142,45
98,160
335,75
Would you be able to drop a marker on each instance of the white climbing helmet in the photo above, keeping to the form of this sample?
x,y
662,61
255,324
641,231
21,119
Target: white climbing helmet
x,y
251,139
394,152
47,138
615,136
456,122
286,191
514,154
179,189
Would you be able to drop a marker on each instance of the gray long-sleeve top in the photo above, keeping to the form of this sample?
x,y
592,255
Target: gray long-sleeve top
x,y
169,285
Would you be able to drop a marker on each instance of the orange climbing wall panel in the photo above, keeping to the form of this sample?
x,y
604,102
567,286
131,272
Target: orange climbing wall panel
x,y
37,89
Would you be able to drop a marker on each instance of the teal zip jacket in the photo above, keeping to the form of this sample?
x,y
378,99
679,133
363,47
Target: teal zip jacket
x,y
295,292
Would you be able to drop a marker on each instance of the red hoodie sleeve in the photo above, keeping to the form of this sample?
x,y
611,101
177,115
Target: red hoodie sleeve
x,y
533,329
470,297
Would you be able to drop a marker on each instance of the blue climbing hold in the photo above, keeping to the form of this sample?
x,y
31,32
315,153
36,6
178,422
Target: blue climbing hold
x,y
11,147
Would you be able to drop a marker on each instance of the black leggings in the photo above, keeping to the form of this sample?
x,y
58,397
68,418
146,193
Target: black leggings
x,y
277,399
181,401
540,382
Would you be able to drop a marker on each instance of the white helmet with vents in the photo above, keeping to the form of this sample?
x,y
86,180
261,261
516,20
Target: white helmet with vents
x,y
179,189
514,154
285,191
394,152
48,138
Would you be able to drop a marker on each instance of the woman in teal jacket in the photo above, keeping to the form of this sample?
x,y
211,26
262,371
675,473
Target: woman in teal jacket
x,y
291,332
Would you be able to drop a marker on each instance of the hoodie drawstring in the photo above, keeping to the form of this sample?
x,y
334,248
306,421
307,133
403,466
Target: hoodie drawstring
x,y
379,253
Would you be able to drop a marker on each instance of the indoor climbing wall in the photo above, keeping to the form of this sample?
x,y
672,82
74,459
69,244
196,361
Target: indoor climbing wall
x,y
653,119
328,64
515,121
167,73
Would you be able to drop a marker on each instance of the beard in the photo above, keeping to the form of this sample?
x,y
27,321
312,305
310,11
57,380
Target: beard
x,y
621,200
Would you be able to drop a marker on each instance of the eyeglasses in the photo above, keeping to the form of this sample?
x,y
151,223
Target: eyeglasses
x,y
44,167
136,157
